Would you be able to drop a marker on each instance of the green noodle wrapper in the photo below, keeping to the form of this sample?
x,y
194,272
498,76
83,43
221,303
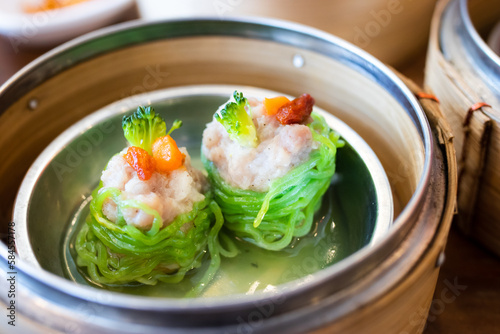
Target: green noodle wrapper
x,y
117,253
272,219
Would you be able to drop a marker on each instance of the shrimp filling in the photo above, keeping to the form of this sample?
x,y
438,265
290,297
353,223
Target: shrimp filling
x,y
280,149
170,194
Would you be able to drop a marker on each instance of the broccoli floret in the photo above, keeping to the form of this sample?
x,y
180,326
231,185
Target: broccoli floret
x,y
143,127
237,122
177,124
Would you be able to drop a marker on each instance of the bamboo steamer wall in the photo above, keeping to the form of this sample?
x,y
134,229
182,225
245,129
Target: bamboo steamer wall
x,y
394,298
477,132
394,31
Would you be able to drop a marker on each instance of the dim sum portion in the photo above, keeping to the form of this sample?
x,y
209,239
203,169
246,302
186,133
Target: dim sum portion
x,y
269,162
152,217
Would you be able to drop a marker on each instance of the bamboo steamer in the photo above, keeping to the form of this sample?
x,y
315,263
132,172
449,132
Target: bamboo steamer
x,y
384,289
463,71
393,31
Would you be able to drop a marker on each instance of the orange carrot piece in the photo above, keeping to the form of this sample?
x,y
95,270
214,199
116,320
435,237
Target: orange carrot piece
x,y
140,160
272,105
167,155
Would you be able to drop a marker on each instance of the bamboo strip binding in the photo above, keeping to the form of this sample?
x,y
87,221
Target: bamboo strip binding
x,y
475,125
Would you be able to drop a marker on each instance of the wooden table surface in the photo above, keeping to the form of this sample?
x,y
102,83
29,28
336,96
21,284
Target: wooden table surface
x,y
474,306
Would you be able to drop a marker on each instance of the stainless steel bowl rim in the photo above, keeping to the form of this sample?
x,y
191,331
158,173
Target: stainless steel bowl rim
x,y
399,91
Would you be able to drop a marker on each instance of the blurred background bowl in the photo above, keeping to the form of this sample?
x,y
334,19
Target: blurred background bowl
x,y
48,28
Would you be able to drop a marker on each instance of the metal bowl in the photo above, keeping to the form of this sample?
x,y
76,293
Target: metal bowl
x,y
359,202
91,72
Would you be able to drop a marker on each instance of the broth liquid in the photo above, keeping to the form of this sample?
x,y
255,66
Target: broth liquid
x,y
253,269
